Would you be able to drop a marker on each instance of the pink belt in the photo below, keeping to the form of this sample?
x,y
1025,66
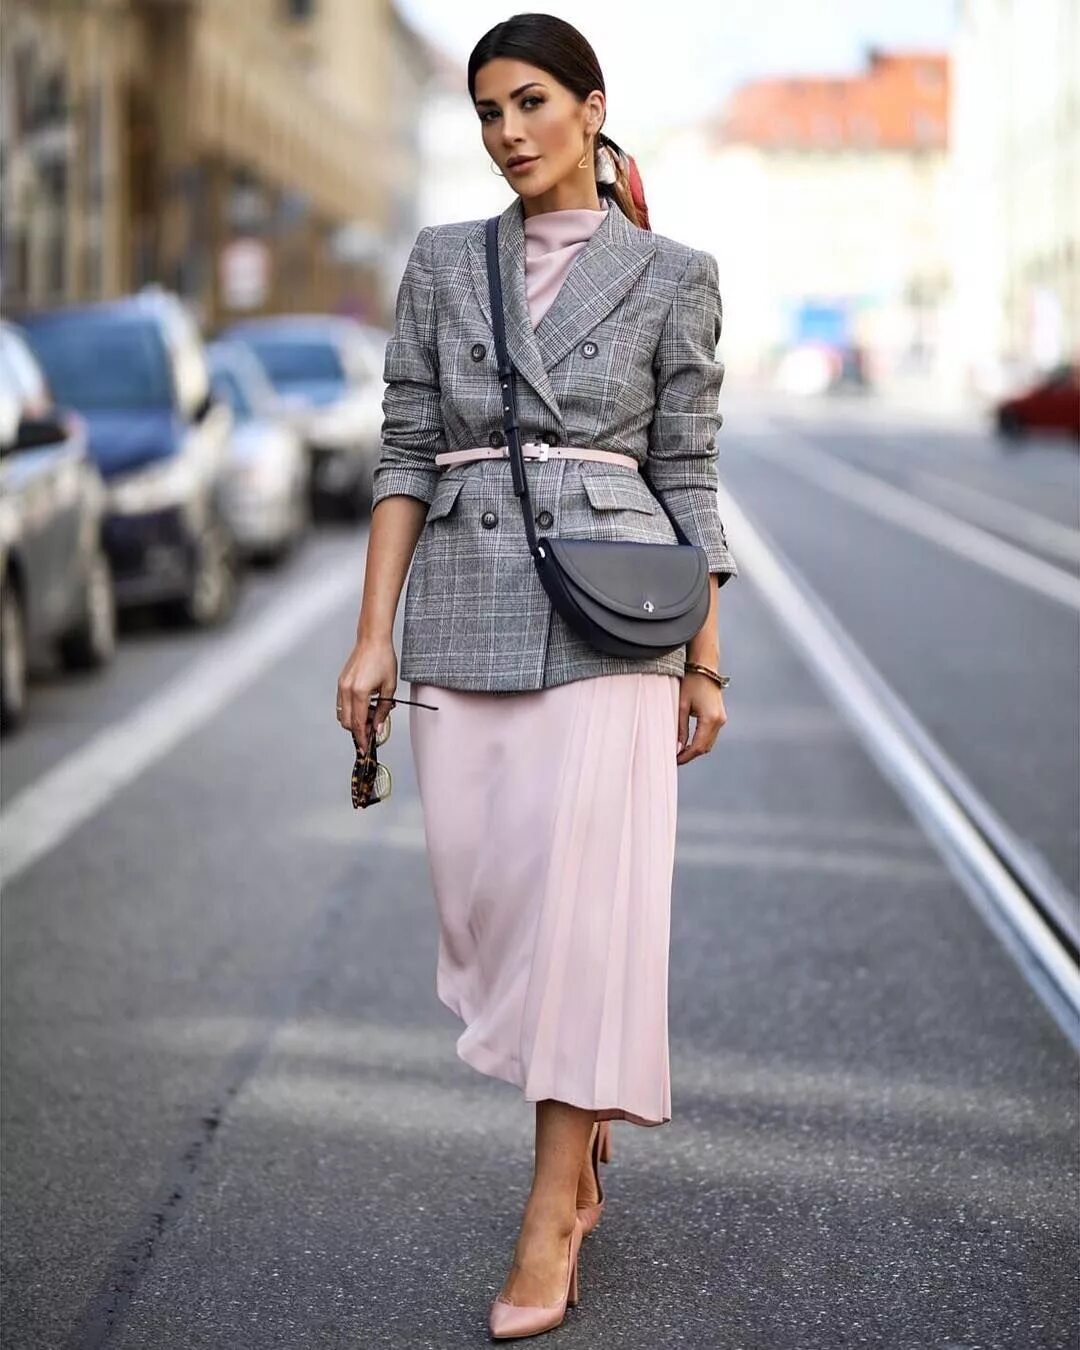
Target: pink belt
x,y
534,450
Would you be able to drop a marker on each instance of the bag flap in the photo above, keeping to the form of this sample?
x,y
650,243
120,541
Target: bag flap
x,y
624,576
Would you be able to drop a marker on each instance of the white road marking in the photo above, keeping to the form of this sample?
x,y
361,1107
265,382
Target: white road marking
x,y
49,809
902,508
1028,527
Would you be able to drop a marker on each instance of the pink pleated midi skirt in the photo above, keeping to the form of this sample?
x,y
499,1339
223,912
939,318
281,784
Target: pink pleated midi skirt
x,y
549,820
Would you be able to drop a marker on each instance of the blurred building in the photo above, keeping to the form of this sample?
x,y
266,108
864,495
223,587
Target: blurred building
x,y
1016,241
458,181
254,155
826,203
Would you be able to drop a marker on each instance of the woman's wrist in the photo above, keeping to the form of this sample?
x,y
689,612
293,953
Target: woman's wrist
x,y
374,632
704,653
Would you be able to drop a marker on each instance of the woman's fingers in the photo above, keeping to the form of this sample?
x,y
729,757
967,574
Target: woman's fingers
x,y
684,723
344,703
709,716
382,708
370,670
701,742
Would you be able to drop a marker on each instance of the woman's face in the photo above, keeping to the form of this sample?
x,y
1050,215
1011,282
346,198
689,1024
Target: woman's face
x,y
525,113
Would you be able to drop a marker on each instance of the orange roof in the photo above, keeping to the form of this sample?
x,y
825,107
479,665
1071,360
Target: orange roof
x,y
900,102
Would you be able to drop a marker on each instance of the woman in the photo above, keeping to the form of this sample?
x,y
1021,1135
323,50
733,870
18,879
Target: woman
x,y
546,769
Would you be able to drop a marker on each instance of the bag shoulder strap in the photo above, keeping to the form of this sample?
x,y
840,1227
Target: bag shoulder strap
x,y
506,382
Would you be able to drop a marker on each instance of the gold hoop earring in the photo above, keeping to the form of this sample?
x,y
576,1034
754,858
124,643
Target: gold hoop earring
x,y
497,172
583,162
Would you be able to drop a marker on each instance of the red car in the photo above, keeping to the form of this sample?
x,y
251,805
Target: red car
x,y
1051,405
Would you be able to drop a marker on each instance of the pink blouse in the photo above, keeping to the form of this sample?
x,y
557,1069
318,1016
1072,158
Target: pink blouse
x,y
553,240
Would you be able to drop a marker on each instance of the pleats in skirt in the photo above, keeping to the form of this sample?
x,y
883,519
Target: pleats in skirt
x,y
549,821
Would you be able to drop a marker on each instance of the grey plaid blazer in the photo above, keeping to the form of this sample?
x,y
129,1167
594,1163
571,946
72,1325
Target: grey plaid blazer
x,y
624,359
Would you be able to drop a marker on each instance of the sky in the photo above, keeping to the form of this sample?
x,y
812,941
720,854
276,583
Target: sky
x,y
673,62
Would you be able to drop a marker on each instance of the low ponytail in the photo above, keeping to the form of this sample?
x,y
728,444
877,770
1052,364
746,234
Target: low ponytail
x,y
617,178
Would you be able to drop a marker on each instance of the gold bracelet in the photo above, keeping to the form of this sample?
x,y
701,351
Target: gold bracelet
x,y
722,680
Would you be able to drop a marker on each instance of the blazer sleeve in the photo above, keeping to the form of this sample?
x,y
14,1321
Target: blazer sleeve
x,y
412,429
682,437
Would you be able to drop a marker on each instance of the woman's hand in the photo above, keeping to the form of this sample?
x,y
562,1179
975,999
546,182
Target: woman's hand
x,y
701,698
371,669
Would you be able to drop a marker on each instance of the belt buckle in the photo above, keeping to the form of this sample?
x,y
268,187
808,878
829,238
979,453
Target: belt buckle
x,y
544,449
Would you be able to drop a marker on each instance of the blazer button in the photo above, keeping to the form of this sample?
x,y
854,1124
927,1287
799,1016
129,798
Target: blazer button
x,y
550,438
495,439
545,520
479,351
489,520
589,349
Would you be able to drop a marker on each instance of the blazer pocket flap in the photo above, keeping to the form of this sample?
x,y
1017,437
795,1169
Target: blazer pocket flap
x,y
612,491
446,494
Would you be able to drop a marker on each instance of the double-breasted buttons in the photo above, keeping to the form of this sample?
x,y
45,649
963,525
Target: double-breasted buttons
x,y
495,439
589,350
489,520
479,351
545,520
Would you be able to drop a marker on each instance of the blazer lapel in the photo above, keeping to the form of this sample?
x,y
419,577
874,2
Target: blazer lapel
x,y
520,338
616,254
613,258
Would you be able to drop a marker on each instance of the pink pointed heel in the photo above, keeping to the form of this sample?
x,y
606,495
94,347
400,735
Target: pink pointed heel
x,y
601,1152
506,1320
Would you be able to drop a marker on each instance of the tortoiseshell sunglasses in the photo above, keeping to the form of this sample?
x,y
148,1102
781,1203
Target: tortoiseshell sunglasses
x,y
371,781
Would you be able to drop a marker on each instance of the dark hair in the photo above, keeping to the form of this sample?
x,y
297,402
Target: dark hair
x,y
556,46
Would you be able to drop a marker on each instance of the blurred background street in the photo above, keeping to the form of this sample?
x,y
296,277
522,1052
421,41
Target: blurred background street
x,y
232,1115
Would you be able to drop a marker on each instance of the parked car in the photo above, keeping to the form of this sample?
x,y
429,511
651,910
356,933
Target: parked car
x,y
1051,404
56,588
136,369
324,366
267,493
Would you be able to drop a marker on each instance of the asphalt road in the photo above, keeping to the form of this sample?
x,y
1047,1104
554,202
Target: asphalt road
x,y
232,1112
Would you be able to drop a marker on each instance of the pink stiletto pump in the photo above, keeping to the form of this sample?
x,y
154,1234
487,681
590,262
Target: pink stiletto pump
x,y
601,1152
506,1320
